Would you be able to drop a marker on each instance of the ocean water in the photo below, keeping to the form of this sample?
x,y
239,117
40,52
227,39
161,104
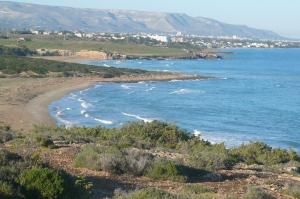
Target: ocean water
x,y
255,97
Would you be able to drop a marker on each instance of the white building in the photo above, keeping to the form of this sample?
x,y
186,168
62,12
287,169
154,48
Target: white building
x,y
78,34
159,38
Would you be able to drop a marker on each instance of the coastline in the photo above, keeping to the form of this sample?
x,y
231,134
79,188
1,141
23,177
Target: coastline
x,y
25,100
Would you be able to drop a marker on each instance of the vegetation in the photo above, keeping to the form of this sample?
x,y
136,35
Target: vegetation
x,y
198,192
15,51
293,190
254,192
26,178
260,153
165,170
73,44
14,65
157,150
148,193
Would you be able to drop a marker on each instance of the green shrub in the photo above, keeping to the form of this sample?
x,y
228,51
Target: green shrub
x,y
108,159
87,158
6,190
147,193
260,153
293,189
254,192
156,133
42,183
113,160
165,170
196,189
137,161
210,157
45,141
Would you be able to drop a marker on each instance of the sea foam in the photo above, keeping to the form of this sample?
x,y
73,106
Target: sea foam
x,y
138,117
103,121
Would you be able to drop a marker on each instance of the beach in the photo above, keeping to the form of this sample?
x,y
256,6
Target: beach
x,y
24,101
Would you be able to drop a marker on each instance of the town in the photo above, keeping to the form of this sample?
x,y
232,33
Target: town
x,y
188,41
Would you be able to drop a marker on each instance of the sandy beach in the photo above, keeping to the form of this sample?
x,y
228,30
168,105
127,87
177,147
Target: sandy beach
x,y
24,101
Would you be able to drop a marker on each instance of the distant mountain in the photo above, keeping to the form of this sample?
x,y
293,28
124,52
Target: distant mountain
x,y
24,15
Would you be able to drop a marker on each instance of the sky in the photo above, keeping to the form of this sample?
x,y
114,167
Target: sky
x,y
281,16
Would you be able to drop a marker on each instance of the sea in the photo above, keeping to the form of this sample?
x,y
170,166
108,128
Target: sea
x,y
255,96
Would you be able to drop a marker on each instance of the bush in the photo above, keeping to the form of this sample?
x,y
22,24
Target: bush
x,y
165,170
108,159
45,141
6,190
147,193
210,157
293,189
113,160
137,161
260,153
196,189
42,183
254,192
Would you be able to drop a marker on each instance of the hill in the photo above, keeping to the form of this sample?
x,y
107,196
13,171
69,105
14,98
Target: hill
x,y
24,15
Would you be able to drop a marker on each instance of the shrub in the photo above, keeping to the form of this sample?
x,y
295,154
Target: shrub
x,y
6,190
156,133
137,161
165,170
42,183
5,137
113,160
210,157
254,192
87,158
196,189
102,158
45,141
293,189
147,193
260,153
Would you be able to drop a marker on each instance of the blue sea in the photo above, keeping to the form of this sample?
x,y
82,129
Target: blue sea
x,y
254,97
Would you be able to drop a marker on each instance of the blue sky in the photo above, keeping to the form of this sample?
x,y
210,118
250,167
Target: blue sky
x,y
281,16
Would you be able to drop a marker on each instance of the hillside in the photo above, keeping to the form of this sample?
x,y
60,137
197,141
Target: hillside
x,y
23,15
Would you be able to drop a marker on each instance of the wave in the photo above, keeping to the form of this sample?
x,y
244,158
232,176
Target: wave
x,y
186,91
103,121
197,133
182,91
82,112
150,89
176,80
86,115
138,117
85,105
106,65
65,122
97,86
124,86
85,90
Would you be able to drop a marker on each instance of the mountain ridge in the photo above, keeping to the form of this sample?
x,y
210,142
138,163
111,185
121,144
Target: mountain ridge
x,y
25,15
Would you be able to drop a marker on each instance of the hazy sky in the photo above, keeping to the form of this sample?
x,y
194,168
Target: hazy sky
x,y
281,16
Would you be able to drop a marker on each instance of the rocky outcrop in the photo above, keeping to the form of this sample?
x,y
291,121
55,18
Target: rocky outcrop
x,y
91,54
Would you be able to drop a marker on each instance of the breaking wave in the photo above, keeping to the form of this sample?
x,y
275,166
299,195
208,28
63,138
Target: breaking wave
x,y
138,117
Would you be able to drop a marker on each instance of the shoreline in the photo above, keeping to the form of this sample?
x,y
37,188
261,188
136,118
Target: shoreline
x,y
26,100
